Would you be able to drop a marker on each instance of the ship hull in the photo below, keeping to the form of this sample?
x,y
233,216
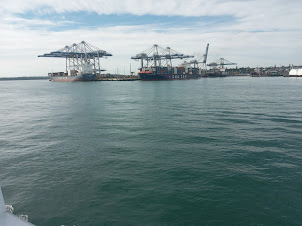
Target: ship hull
x,y
216,75
157,77
75,78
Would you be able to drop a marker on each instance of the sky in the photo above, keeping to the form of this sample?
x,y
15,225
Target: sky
x,y
248,32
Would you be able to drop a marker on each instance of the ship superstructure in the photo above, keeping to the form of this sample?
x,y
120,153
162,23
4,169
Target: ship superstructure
x,y
82,62
156,64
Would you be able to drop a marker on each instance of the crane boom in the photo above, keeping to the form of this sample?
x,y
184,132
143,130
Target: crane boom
x,y
205,56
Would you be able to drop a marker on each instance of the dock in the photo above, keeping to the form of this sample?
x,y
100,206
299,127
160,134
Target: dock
x,y
119,78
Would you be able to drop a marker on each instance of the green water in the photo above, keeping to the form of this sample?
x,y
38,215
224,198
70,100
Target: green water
x,y
224,151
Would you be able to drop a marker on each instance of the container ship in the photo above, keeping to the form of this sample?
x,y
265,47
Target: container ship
x,y
170,73
82,62
156,64
85,73
216,74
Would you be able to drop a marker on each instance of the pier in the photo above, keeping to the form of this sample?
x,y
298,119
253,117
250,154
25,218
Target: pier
x,y
119,79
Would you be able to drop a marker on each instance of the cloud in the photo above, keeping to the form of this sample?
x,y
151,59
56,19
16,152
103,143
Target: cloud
x,y
22,22
251,33
237,8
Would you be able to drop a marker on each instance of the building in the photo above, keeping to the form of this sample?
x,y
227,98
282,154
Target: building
x,y
295,72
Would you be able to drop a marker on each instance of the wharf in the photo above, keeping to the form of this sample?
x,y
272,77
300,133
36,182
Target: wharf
x,y
119,79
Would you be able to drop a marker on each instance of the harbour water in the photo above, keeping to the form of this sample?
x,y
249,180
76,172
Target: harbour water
x,y
224,151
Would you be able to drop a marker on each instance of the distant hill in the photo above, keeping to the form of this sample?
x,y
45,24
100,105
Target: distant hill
x,y
24,78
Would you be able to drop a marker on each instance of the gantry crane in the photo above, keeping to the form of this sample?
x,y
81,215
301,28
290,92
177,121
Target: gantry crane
x,y
159,57
79,55
221,62
202,60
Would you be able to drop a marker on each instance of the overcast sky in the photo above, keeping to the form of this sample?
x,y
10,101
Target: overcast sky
x,y
248,32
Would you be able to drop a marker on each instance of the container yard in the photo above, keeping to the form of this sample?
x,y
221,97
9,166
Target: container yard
x,y
156,64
